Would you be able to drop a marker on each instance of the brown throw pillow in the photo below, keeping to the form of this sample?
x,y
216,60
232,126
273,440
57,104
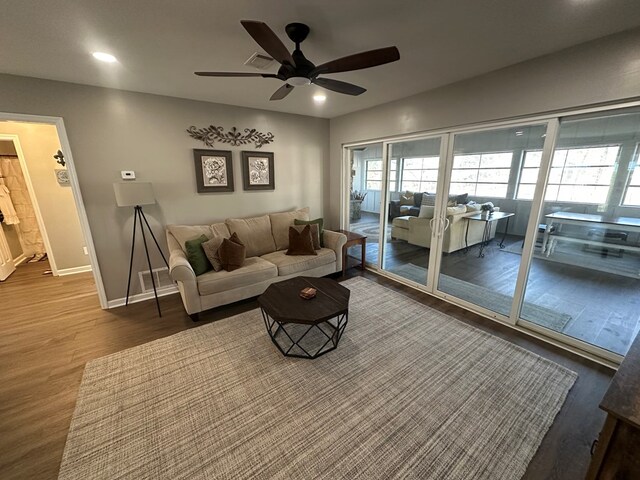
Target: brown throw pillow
x,y
315,234
211,250
232,253
300,243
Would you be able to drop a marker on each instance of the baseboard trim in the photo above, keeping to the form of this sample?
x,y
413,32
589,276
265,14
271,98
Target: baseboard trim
x,y
19,259
74,270
141,297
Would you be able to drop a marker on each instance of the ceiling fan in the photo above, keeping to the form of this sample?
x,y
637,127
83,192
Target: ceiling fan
x,y
295,70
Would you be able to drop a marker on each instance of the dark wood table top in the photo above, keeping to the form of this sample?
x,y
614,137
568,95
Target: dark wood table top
x,y
352,235
622,399
283,303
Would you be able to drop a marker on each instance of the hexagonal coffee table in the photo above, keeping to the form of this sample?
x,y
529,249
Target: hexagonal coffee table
x,y
305,328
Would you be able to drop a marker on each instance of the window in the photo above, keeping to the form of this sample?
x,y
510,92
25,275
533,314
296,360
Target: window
x,y
374,175
632,195
577,174
482,174
420,174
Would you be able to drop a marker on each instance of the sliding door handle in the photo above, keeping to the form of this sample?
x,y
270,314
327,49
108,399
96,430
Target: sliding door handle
x,y
447,222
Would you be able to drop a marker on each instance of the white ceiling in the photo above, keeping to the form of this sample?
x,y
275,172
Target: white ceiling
x,y
160,43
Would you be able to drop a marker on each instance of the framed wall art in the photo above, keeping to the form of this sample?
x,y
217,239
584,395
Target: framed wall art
x,y
257,171
214,170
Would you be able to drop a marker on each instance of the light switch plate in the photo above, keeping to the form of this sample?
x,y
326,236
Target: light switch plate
x,y
128,174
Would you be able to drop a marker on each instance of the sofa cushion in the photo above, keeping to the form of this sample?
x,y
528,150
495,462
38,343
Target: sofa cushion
x,y
232,253
288,265
254,270
280,223
196,256
211,250
401,222
315,234
220,229
182,233
426,211
316,221
255,233
406,198
301,241
458,209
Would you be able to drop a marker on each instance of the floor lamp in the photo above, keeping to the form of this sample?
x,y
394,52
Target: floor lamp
x,y
136,194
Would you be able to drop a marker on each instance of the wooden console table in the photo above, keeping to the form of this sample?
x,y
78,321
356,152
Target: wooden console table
x,y
617,453
353,239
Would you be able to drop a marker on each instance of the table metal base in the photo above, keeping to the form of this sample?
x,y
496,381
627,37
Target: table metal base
x,y
305,341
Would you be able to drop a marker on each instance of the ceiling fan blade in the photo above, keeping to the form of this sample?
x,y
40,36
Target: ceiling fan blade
x,y
338,86
372,58
282,92
235,74
268,40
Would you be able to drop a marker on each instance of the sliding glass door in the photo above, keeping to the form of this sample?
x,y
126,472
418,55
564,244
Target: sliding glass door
x,y
413,169
534,224
486,224
584,280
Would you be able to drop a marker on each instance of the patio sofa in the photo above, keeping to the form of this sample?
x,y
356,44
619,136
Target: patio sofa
x,y
266,239
417,230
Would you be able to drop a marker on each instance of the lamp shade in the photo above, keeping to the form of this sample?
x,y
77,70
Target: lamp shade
x,y
131,194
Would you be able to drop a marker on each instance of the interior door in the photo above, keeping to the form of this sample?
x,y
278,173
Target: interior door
x,y
7,266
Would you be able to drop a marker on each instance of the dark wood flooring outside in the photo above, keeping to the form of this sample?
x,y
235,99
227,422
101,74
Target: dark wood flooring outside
x,y
50,327
604,307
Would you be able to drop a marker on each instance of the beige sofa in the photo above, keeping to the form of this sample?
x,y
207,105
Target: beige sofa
x,y
266,239
417,230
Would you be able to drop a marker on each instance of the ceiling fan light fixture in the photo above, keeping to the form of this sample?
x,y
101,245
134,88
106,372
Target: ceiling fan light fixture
x,y
298,81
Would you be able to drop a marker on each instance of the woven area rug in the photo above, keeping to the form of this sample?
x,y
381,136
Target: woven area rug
x,y
371,230
409,393
486,297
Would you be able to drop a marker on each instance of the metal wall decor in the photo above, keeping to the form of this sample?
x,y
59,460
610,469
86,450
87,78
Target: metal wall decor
x,y
209,135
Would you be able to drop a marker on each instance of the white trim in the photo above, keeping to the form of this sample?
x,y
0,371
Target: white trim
x,y
75,188
491,124
141,297
19,259
74,270
32,196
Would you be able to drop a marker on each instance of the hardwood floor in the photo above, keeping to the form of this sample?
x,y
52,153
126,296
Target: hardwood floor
x,y
50,327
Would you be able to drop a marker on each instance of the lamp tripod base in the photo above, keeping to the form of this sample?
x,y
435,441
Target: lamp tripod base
x,y
139,218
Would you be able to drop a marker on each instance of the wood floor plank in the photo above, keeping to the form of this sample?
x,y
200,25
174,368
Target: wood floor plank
x,y
47,337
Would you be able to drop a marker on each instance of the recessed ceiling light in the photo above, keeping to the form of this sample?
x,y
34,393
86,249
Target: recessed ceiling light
x,y
319,98
104,57
519,133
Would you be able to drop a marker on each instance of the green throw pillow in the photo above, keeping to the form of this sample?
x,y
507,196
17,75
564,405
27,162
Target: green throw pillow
x,y
317,221
196,255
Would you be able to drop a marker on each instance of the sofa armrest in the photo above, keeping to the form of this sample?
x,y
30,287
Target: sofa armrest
x,y
335,241
179,267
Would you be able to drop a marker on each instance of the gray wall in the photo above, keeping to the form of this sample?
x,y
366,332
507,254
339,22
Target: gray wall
x,y
111,130
605,70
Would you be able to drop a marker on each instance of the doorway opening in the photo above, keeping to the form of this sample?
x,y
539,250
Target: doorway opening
x,y
44,227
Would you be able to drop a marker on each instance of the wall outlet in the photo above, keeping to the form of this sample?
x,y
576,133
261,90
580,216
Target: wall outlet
x,y
128,175
85,250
